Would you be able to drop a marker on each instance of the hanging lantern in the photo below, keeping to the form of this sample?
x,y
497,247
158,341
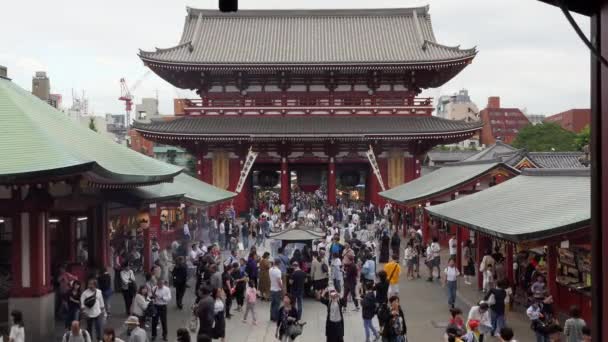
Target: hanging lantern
x,y
268,179
349,178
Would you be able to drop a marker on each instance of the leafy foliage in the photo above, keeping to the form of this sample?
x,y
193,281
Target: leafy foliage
x,y
582,138
545,137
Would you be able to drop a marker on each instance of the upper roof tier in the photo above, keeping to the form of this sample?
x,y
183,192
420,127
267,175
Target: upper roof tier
x,y
396,36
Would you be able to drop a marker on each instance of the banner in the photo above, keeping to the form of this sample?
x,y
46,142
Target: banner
x,y
251,156
374,163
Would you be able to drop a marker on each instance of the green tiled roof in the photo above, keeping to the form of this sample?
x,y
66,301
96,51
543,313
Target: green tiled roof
x,y
184,188
537,204
445,179
36,140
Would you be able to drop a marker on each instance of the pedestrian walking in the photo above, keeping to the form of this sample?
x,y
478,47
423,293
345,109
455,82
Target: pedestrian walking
x,y
252,265
92,306
468,262
75,334
393,270
166,263
350,284
264,276
573,327
161,296
219,324
296,281
239,279
336,272
286,317
453,246
381,288
227,286
496,298
395,243
251,299
369,306
384,247
17,332
134,331
73,304
395,327
140,305
450,281
480,314
180,280
319,271
104,281
109,335
205,311
127,285
334,322
433,259
276,290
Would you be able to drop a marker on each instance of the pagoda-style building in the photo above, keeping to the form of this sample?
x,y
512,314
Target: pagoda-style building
x,y
310,91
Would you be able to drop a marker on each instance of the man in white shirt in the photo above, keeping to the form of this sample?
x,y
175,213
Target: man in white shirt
x,y
186,231
222,233
276,290
161,296
453,245
481,313
127,281
92,306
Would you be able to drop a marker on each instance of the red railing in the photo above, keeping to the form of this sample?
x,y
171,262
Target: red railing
x,y
306,103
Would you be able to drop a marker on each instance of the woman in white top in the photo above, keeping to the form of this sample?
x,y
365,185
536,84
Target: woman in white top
x,y
219,328
140,305
450,279
17,333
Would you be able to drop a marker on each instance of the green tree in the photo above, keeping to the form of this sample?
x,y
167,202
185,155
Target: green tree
x,y
92,125
582,138
545,137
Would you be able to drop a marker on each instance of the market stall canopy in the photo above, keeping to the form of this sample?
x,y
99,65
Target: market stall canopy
x,y
446,179
296,234
538,204
184,188
36,140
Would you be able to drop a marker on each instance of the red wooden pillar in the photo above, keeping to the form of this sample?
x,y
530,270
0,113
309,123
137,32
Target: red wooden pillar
x,y
459,242
426,229
147,252
331,182
552,269
509,260
285,182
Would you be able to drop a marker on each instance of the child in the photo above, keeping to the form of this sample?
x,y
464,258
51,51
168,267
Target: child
x,y
250,299
473,333
457,319
488,279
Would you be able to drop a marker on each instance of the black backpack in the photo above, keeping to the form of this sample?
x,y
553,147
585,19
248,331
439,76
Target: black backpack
x,y
89,302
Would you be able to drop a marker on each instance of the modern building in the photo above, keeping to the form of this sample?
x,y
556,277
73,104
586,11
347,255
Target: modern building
x,y
573,120
457,107
55,100
536,119
41,85
500,123
344,81
115,124
148,108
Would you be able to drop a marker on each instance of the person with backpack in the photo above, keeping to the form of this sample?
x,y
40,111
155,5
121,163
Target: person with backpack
x,y
92,305
395,328
369,307
251,296
75,334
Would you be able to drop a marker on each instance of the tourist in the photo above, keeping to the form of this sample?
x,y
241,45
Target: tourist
x,y
222,233
264,276
319,272
395,328
334,321
488,279
183,335
382,287
539,287
205,311
276,289
434,259
496,299
409,258
368,270
486,261
573,328
161,296
457,320
453,334
468,261
128,287
393,270
227,286
104,280
17,332
110,336
73,304
506,335
337,276
369,307
450,280
252,265
336,247
166,263
75,334
180,280
384,247
251,299
286,316
239,279
141,304
296,282
473,334
219,323
134,330
65,280
453,246
395,243
215,280
481,314
350,283
283,264
92,306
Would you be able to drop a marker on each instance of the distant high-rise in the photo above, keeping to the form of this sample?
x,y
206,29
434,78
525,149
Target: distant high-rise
x,y
501,123
41,85
147,108
457,107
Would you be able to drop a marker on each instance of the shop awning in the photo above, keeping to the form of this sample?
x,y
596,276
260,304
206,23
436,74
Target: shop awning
x,y
184,189
538,204
446,179
37,141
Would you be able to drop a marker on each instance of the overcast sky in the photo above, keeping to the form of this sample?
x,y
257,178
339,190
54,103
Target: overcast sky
x,y
528,54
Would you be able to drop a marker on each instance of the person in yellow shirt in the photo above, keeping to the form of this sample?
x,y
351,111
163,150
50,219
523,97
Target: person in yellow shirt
x,y
393,270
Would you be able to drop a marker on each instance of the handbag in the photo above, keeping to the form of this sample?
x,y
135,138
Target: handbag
x,y
151,310
294,330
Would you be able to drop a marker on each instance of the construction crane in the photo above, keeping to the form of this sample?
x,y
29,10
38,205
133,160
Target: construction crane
x,y
127,96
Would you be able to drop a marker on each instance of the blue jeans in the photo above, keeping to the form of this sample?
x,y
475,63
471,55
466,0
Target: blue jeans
x,y
498,322
452,285
541,337
95,322
299,305
275,304
369,327
338,285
